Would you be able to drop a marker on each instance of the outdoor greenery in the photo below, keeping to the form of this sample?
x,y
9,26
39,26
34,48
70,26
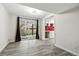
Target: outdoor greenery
x,y
26,27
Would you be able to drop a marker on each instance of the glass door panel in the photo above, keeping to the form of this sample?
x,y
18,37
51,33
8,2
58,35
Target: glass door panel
x,y
27,28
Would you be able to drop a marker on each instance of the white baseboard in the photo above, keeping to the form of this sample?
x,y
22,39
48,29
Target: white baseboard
x,y
3,47
66,50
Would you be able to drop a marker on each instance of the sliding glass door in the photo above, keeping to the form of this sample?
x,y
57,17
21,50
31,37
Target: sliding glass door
x,y
27,28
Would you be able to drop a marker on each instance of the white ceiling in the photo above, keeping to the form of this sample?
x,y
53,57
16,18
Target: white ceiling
x,y
52,7
25,11
42,9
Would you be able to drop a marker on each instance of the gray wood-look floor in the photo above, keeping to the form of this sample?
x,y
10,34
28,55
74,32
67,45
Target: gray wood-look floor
x,y
34,48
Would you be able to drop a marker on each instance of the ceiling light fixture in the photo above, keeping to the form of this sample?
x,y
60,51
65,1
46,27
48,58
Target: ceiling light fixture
x,y
36,12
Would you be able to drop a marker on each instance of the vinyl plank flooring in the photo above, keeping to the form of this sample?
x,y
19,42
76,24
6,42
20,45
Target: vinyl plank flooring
x,y
34,48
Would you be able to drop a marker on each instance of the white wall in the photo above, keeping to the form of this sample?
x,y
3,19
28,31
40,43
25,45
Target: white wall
x,y
4,17
42,29
49,20
67,30
12,28
7,27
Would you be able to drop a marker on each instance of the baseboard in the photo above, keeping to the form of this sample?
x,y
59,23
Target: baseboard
x,y
66,50
4,47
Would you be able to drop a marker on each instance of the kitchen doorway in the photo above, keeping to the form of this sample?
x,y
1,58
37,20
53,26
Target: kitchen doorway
x,y
50,28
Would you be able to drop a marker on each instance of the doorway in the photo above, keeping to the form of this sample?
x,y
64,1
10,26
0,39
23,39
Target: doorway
x,y
27,28
50,28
